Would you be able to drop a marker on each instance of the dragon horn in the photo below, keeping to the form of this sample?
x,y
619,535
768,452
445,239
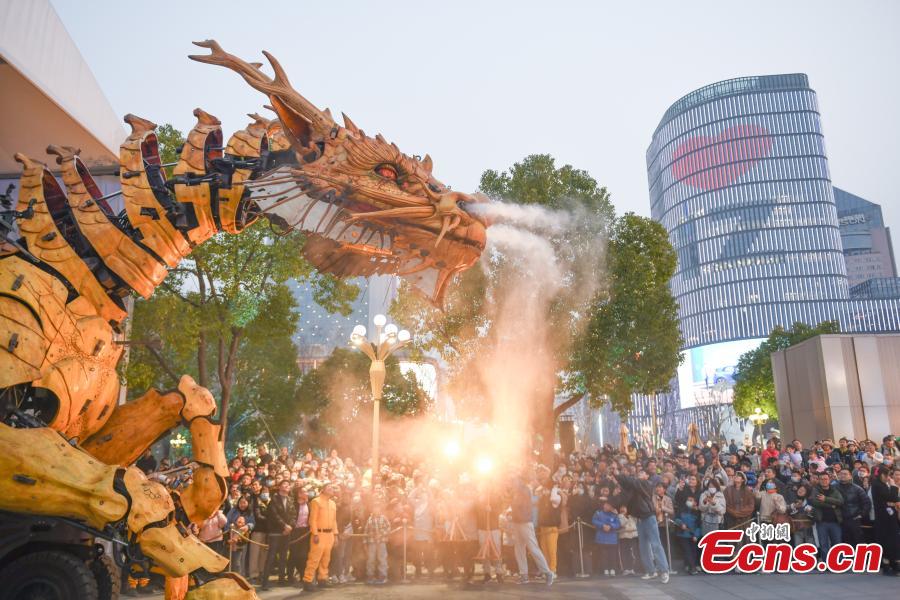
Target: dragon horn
x,y
321,120
300,116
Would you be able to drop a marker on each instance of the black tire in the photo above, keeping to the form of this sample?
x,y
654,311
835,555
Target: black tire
x,y
47,576
108,578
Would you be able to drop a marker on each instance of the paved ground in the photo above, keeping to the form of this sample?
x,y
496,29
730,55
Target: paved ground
x,y
716,587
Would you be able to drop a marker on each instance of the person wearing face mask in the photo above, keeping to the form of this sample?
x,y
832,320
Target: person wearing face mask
x,y
688,532
712,507
796,482
687,488
770,502
856,506
861,476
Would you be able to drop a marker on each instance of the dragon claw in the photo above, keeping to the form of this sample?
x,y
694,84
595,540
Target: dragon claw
x,y
229,586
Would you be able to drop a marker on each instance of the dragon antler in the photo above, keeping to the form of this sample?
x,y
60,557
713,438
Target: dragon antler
x,y
301,118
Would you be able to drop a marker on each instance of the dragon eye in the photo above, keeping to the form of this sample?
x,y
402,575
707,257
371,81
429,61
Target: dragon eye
x,y
387,171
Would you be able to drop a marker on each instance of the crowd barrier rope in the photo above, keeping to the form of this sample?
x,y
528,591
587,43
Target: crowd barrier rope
x,y
578,525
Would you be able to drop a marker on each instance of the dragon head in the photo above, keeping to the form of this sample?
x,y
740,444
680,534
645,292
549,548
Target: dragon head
x,y
366,207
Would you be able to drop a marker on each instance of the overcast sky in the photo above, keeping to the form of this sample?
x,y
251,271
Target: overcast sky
x,y
481,84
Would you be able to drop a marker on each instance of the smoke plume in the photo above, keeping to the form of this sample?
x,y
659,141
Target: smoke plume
x,y
545,266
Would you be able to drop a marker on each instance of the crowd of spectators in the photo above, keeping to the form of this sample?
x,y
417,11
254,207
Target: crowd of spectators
x,y
316,519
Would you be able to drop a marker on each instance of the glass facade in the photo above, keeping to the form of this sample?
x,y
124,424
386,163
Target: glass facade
x,y
879,287
868,252
738,176
320,332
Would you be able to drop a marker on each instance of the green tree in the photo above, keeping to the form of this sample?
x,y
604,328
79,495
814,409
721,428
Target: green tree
x,y
632,343
170,140
631,290
336,395
461,332
225,315
754,385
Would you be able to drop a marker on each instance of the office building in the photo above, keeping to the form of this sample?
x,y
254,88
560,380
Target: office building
x,y
739,177
868,252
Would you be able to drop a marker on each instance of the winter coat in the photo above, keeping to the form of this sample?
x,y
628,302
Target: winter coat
x,y
766,455
235,512
611,519
281,512
640,503
770,503
739,502
751,478
833,501
856,501
627,527
688,524
684,493
712,507
801,512
211,529
664,510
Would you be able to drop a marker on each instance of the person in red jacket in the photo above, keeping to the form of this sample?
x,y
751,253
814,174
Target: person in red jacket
x,y
771,451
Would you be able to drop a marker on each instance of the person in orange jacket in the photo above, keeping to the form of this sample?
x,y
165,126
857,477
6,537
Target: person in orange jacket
x,y
322,529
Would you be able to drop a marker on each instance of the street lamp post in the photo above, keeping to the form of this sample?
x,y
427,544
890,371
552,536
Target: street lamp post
x,y
177,442
759,418
387,340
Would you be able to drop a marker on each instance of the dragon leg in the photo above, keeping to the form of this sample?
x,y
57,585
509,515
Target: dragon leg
x,y
43,474
133,427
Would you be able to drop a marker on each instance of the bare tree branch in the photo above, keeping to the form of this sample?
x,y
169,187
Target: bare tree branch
x,y
558,410
153,347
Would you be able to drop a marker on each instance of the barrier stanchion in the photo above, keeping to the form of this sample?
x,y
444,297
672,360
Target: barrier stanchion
x,y
230,546
669,546
581,574
404,551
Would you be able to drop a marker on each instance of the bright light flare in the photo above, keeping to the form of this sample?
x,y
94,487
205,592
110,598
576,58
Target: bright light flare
x,y
484,464
379,320
452,449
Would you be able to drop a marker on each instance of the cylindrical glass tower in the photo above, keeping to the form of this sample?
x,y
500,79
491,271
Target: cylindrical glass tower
x,y
739,178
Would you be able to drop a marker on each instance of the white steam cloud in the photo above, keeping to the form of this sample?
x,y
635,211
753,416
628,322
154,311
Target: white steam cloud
x,y
536,262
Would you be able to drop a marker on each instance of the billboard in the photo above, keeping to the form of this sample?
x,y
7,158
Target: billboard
x,y
706,376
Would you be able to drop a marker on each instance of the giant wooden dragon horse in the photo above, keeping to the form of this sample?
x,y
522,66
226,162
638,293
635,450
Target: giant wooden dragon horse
x,y
68,261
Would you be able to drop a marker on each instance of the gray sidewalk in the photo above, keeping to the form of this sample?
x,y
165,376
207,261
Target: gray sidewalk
x,y
717,587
